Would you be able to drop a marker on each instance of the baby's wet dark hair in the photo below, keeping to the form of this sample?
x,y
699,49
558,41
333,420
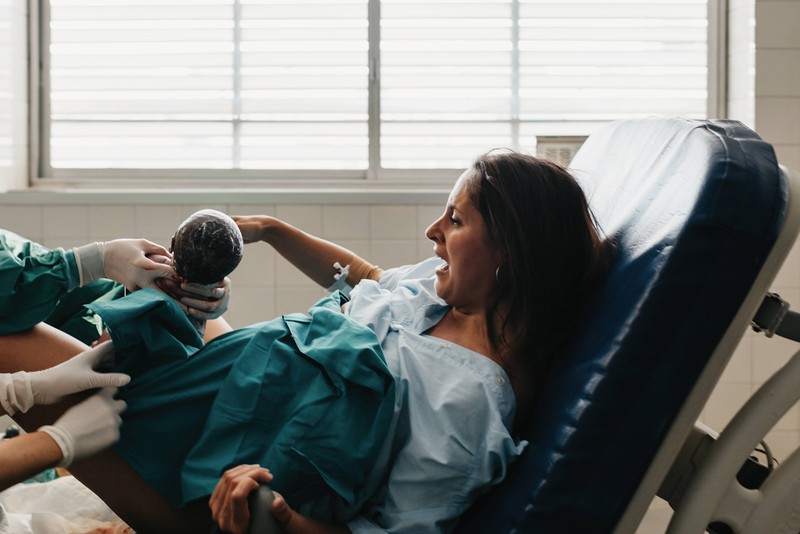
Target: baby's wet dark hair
x,y
207,247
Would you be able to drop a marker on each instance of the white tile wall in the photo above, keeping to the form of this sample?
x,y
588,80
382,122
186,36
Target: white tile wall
x,y
349,222
777,24
789,155
778,72
109,222
156,222
60,222
24,220
779,117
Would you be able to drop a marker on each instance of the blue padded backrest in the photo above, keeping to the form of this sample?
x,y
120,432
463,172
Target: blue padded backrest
x,y
694,208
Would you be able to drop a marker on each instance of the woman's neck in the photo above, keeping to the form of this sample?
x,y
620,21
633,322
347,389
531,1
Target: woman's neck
x,y
469,330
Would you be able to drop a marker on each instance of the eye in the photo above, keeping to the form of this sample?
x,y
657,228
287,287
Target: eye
x,y
454,220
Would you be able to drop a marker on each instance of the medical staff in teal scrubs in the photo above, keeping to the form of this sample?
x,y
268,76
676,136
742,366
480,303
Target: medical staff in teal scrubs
x,y
38,283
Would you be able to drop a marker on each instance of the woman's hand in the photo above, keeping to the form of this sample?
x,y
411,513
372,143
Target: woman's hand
x,y
252,226
228,503
229,507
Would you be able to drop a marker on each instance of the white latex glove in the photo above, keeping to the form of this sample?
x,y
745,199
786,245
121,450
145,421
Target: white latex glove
x,y
21,390
207,301
76,374
88,427
199,301
134,263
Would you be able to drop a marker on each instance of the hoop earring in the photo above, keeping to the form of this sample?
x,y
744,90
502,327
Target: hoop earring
x,y
497,274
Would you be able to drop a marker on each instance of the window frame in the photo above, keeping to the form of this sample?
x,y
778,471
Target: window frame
x,y
42,175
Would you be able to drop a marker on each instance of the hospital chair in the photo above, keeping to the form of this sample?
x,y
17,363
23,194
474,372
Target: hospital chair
x,y
702,217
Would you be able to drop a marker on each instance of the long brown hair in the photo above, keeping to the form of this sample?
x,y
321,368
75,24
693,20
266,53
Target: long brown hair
x,y
554,254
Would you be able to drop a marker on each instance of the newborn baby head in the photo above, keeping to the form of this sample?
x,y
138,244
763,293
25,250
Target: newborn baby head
x,y
206,247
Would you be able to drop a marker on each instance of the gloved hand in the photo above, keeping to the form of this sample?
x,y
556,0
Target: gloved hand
x,y
88,427
209,301
126,261
76,374
199,301
21,390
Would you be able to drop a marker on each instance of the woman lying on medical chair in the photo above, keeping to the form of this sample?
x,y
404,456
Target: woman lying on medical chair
x,y
465,338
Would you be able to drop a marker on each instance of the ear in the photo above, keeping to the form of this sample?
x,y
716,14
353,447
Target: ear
x,y
500,255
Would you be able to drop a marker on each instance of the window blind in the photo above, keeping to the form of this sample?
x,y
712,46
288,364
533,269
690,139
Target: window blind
x,y
208,84
284,85
460,77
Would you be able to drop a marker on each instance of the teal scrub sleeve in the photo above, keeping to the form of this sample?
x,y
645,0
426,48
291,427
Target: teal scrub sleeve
x,y
73,317
33,279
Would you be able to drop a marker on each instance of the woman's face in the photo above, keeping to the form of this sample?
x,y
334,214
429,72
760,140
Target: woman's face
x,y
466,279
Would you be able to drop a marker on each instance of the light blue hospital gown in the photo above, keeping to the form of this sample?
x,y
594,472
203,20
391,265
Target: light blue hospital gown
x,y
449,438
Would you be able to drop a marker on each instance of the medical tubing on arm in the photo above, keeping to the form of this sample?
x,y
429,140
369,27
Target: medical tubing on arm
x,y
348,276
90,262
340,279
16,393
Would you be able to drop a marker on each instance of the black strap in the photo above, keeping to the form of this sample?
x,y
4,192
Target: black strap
x,y
775,317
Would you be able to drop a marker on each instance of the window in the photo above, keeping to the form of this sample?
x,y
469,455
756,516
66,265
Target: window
x,y
360,89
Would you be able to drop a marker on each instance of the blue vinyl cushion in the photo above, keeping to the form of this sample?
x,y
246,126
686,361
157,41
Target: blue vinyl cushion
x,y
694,208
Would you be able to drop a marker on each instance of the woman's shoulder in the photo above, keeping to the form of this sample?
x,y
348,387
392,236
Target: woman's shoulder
x,y
391,278
404,296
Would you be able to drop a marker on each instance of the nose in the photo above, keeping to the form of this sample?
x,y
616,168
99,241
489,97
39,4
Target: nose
x,y
433,232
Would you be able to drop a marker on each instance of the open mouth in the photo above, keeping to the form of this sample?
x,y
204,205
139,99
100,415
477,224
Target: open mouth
x,y
443,268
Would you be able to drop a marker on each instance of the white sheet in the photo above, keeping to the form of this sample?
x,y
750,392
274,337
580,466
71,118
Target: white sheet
x,y
60,506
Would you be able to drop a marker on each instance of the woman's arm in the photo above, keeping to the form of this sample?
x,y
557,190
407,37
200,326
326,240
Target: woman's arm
x,y
314,256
